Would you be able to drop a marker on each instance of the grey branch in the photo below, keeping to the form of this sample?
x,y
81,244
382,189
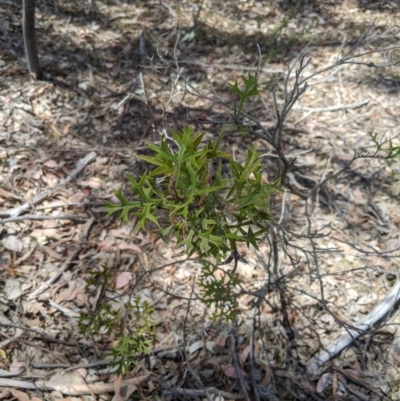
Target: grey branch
x,y
333,108
381,311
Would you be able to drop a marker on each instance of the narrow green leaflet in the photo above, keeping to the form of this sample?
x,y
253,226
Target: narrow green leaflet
x,y
250,89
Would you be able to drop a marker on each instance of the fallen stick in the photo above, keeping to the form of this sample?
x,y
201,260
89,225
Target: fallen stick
x,y
82,163
201,393
82,238
73,217
72,389
381,311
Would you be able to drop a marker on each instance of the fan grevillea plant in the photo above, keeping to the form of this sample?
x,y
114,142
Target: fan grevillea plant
x,y
188,196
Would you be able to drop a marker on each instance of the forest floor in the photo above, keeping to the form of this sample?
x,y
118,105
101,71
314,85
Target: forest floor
x,y
119,74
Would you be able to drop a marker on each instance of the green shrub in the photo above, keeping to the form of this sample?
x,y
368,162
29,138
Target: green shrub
x,y
187,196
134,331
206,208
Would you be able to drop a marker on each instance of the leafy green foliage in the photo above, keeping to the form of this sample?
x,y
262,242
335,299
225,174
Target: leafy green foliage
x,y
92,322
134,331
391,152
219,293
99,277
136,339
250,89
188,196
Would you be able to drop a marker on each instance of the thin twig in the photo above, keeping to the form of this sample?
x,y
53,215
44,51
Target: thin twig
x,y
44,286
82,163
79,218
236,67
252,357
333,108
193,373
238,370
